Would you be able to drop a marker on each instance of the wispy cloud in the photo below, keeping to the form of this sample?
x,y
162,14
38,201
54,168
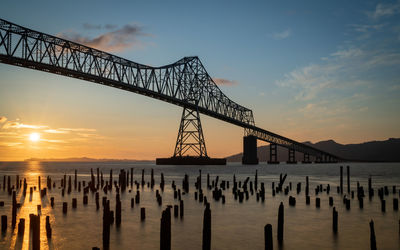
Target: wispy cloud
x,y
282,35
18,125
3,119
224,82
78,129
385,10
348,53
55,131
113,40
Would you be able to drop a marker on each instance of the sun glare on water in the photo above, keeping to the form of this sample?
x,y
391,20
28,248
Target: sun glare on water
x,y
34,137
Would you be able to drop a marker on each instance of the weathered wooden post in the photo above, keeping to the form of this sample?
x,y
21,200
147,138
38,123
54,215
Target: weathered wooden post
x,y
106,225
165,231
14,210
317,202
372,235
395,204
383,206
65,207
118,211
75,179
181,209
341,179
268,237
142,213
280,224
348,179
207,228
48,227
4,223
21,227
35,222
335,220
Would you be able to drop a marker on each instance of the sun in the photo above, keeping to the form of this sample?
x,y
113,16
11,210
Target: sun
x,y
34,137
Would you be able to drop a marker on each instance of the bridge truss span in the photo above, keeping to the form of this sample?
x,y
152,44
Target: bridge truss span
x,y
185,83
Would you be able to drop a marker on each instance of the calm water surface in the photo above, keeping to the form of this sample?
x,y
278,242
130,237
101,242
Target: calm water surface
x,y
234,225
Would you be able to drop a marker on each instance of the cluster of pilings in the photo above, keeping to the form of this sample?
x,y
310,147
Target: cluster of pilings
x,y
242,190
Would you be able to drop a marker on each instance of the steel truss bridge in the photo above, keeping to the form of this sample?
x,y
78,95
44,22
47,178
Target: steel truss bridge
x,y
185,83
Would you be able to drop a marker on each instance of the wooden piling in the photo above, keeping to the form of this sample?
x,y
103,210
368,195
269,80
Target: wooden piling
x,y
207,228
4,223
348,179
176,211
341,179
106,225
383,206
35,223
268,241
118,211
317,202
181,209
48,227
21,227
372,235
65,207
335,220
14,210
280,223
395,204
74,203
165,230
142,213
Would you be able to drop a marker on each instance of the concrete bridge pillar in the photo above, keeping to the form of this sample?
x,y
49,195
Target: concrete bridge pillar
x,y
250,150
292,156
306,159
273,154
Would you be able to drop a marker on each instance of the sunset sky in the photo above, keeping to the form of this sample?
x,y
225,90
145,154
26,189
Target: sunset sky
x,y
309,70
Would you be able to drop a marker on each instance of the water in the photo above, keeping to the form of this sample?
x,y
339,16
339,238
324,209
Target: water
x,y
234,225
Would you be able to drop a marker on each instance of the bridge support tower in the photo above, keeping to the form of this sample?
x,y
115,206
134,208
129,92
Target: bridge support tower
x,y
250,150
190,148
273,154
306,159
292,156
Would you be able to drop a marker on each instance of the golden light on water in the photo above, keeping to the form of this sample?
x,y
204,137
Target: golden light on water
x,y
34,137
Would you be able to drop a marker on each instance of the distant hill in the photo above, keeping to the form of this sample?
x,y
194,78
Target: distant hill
x,y
84,159
373,151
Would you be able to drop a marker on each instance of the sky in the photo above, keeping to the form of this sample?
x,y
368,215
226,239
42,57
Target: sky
x,y
309,70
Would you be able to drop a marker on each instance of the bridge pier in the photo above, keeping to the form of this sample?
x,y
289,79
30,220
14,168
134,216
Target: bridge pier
x,y
306,159
273,154
292,156
249,150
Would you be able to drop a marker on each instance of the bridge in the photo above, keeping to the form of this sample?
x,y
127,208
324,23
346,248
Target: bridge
x,y
185,83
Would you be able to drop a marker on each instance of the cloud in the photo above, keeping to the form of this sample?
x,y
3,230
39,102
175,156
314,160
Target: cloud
x,y
113,41
3,119
55,131
282,35
309,81
224,82
18,125
384,10
78,129
348,53
89,26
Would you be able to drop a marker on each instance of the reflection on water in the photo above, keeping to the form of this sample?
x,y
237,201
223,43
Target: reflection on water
x,y
234,225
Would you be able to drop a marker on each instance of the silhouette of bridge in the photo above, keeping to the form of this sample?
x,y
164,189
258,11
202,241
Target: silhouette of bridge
x,y
185,83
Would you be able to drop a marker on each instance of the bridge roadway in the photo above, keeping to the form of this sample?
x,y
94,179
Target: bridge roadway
x,y
185,83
